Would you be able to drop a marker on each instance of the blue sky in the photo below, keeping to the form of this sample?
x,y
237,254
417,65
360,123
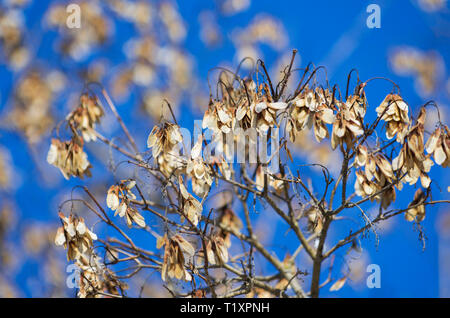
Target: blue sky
x,y
330,33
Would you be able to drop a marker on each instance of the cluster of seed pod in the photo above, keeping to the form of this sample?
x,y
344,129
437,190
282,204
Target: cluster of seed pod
x,y
119,199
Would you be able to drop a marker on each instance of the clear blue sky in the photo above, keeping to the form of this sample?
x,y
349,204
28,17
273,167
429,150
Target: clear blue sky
x,y
332,33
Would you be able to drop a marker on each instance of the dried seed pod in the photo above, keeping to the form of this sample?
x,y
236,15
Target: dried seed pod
x,y
416,210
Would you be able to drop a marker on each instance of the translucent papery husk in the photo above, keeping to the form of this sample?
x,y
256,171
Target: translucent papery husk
x,y
394,111
75,236
417,210
69,157
345,128
357,105
174,260
320,130
228,219
216,252
134,216
412,161
439,146
84,117
302,117
363,186
386,197
218,117
163,139
315,220
201,176
361,156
